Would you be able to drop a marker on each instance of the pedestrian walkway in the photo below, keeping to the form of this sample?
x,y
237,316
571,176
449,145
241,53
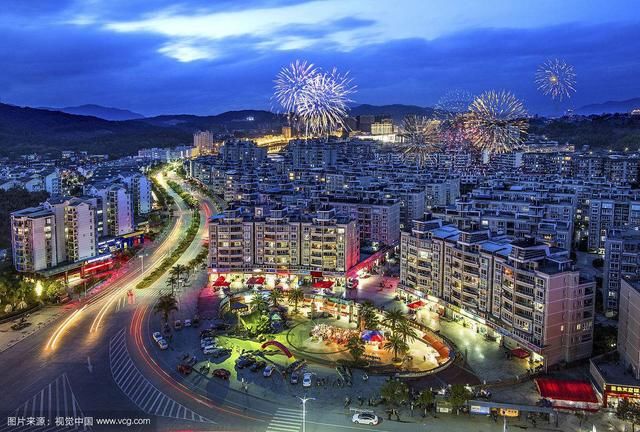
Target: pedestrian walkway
x,y
54,407
139,389
286,420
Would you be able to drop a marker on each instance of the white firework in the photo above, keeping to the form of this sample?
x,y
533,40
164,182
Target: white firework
x,y
323,102
556,78
291,82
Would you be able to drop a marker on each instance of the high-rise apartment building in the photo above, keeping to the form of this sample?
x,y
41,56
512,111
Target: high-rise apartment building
x,y
33,239
204,142
621,259
524,292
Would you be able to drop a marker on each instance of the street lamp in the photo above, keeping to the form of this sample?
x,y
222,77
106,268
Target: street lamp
x,y
142,260
304,410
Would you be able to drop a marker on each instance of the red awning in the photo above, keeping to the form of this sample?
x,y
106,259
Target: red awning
x,y
316,274
416,304
323,284
520,353
566,390
220,282
255,281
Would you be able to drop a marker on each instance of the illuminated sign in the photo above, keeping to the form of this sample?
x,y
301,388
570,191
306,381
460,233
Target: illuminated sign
x,y
507,412
614,389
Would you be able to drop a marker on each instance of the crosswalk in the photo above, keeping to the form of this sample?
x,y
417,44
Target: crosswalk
x,y
140,390
286,420
55,407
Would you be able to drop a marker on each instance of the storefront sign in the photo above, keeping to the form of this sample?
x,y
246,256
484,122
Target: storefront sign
x,y
620,390
477,409
508,412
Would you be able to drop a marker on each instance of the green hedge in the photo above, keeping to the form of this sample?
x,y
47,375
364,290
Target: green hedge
x,y
169,261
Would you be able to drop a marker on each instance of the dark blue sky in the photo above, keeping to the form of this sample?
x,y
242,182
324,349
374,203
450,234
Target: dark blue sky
x,y
205,57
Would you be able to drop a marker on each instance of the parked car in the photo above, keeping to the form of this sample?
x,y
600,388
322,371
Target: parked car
x,y
268,370
177,324
20,325
244,361
220,352
365,418
184,369
258,365
306,379
157,336
221,373
207,341
294,378
195,322
162,344
187,323
209,349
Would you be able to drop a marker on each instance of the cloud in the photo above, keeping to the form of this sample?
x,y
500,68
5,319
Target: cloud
x,y
396,54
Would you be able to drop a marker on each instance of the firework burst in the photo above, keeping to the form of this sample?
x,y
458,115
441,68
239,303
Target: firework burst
x,y
556,78
421,139
322,107
451,110
315,100
497,122
290,84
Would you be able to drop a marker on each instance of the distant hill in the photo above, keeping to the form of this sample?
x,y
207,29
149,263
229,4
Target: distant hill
x,y
105,113
610,107
29,130
229,121
396,111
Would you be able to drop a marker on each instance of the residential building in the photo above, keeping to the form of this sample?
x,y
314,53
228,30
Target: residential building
x,y
33,239
378,219
523,292
629,325
621,259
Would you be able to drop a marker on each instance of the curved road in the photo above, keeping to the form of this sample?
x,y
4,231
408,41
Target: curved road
x,y
99,361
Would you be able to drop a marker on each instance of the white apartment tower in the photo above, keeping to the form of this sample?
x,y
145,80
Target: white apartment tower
x,y
33,239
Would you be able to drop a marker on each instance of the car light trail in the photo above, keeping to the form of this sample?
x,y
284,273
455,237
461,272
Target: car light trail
x,y
135,330
53,340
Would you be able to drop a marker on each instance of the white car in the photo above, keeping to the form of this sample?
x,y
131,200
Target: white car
x,y
268,370
187,323
157,336
209,349
306,380
365,418
207,341
162,344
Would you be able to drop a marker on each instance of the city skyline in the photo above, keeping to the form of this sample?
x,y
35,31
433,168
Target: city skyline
x,y
164,58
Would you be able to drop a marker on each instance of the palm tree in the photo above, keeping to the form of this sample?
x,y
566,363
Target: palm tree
x,y
406,331
166,303
181,270
355,345
396,344
172,280
274,296
258,303
392,318
368,316
296,295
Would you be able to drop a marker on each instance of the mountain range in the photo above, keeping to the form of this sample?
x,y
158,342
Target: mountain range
x,y
28,130
93,110
608,107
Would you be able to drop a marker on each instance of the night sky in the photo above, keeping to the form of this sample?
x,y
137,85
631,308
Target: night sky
x,y
205,57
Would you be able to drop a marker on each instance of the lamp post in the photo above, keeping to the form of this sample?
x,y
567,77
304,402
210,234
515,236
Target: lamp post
x,y
142,261
304,410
